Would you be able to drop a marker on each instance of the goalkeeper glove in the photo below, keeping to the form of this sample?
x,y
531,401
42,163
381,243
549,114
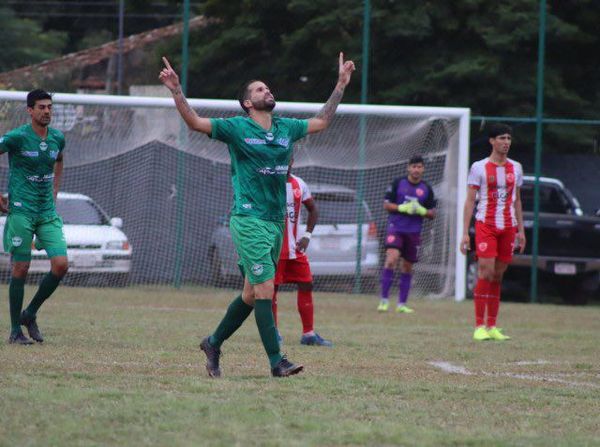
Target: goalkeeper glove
x,y
405,208
419,209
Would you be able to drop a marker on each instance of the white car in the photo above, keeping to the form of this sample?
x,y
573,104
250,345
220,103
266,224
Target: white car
x,y
333,246
98,250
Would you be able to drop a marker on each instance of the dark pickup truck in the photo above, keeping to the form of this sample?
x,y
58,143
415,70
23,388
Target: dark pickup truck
x,y
568,250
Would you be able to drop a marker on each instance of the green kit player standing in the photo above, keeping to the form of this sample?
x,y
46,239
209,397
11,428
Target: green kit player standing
x,y
35,156
260,147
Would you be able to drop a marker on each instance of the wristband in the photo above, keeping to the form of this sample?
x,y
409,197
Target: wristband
x,y
307,235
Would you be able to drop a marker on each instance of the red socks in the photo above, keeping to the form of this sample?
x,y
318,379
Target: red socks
x,y
306,310
486,294
493,303
480,295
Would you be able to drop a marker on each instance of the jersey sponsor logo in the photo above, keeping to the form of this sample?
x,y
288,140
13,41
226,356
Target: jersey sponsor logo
x,y
257,269
482,246
502,195
19,204
254,141
267,171
30,153
269,136
40,178
283,141
53,154
420,192
43,146
17,241
247,206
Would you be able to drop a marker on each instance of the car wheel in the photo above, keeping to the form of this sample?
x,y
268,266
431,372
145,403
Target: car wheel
x,y
572,291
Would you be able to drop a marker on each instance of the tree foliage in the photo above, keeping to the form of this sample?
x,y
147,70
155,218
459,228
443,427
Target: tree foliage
x,y
471,53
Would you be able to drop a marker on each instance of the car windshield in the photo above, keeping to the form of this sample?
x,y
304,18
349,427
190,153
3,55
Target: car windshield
x,y
552,200
336,208
80,212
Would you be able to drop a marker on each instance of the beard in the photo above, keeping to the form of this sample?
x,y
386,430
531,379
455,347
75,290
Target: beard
x,y
266,106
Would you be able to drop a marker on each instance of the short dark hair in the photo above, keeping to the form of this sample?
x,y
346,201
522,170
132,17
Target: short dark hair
x,y
243,93
499,129
37,95
416,159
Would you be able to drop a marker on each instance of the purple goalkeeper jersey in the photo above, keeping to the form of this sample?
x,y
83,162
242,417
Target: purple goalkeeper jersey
x,y
402,191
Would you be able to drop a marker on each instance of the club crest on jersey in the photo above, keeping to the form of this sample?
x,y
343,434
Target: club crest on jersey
x,y
510,177
269,136
257,269
420,192
482,246
43,146
297,193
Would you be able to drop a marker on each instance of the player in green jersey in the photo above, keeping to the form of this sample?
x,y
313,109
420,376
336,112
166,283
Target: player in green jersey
x,y
260,147
35,157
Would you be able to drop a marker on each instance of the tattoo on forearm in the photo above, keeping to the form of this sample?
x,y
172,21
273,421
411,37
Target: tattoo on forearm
x,y
328,110
187,108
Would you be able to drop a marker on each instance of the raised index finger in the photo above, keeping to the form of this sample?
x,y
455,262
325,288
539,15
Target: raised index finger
x,y
341,58
166,62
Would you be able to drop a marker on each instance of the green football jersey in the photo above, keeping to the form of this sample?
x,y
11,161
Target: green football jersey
x,y
259,162
31,169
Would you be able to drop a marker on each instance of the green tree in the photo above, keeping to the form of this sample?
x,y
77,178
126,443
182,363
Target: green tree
x,y
25,42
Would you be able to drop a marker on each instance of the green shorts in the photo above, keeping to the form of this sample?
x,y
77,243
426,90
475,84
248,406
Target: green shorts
x,y
258,245
20,228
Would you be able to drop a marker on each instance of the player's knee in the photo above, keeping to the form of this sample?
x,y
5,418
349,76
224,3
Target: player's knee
x,y
20,270
487,274
60,267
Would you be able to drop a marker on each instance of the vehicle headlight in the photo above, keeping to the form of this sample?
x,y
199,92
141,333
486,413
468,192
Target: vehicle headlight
x,y
117,245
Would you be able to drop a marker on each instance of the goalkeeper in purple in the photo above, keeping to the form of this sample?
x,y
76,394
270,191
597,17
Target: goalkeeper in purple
x,y
409,200
35,160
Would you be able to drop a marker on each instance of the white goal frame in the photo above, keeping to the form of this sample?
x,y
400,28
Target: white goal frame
x,y
463,115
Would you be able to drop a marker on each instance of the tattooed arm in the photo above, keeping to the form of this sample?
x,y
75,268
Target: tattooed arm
x,y
325,115
170,79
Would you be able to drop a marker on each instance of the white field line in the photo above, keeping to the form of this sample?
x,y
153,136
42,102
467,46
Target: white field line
x,y
450,368
534,362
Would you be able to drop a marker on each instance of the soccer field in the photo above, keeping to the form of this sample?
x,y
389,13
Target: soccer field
x,y
122,367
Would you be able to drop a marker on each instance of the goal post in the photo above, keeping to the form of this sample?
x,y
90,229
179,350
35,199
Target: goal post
x,y
131,156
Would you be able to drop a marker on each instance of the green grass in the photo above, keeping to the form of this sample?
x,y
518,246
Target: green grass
x,y
122,367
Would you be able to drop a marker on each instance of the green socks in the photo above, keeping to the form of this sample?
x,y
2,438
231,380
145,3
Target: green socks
x,y
236,314
47,287
16,290
266,328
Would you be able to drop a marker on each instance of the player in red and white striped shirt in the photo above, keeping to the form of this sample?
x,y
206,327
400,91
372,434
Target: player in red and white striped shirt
x,y
293,266
495,183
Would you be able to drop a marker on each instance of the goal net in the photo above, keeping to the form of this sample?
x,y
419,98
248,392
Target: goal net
x,y
131,158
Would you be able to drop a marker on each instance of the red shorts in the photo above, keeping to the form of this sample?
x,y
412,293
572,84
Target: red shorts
x,y
493,243
293,271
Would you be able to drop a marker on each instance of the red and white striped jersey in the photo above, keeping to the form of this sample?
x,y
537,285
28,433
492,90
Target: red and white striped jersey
x,y
496,191
297,193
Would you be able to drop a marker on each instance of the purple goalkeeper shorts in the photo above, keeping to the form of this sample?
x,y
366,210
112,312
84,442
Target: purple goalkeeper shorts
x,y
407,243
